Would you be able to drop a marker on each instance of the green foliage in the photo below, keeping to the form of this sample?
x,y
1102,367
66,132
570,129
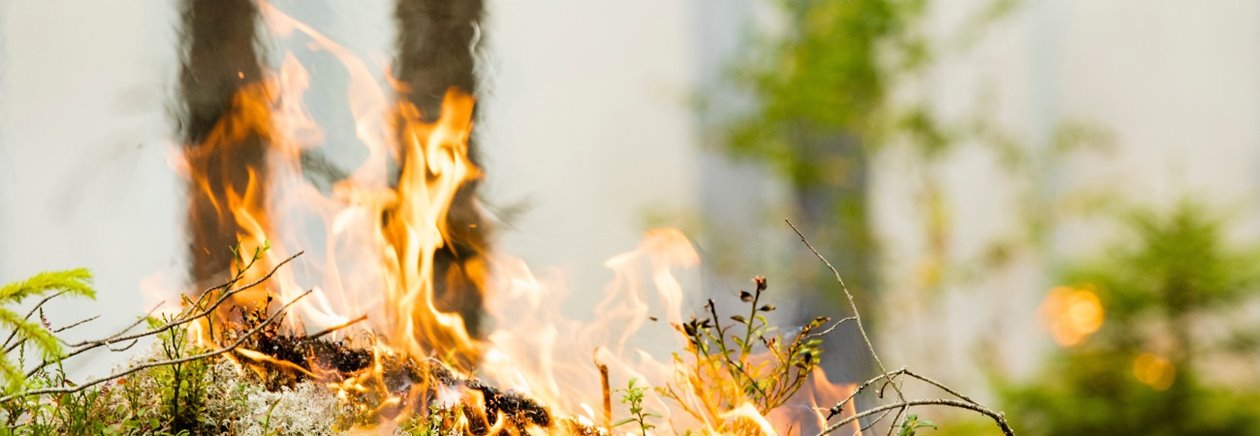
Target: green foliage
x,y
74,282
1173,296
911,425
827,76
183,384
632,396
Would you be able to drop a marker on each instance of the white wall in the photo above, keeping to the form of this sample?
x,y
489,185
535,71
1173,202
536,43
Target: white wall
x,y
83,136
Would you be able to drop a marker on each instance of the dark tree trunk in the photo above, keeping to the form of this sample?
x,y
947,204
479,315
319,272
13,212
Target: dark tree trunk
x,y
436,47
219,57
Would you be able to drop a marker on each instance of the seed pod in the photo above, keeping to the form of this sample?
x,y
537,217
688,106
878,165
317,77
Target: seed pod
x,y
745,296
767,308
761,283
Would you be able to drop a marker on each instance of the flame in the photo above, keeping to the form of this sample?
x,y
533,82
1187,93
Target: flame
x,y
372,255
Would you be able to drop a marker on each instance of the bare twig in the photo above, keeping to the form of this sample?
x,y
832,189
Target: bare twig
x,y
839,407
833,327
154,364
997,417
181,320
889,378
76,324
21,341
28,316
603,383
343,325
85,346
857,316
876,420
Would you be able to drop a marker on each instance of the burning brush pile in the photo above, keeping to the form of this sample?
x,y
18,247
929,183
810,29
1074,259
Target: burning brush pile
x,y
370,331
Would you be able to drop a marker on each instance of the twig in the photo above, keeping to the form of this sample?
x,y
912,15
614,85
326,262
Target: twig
x,y
86,346
902,405
27,317
21,341
154,364
137,322
343,325
839,407
941,386
191,317
833,327
857,316
76,324
875,421
603,383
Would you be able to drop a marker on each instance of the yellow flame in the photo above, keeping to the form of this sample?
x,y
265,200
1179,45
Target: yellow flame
x,y
377,259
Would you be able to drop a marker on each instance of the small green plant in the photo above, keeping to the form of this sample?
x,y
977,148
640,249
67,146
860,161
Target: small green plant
x,y
75,282
911,425
749,361
183,384
632,396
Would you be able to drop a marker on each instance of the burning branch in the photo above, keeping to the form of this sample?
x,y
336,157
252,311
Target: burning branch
x,y
902,404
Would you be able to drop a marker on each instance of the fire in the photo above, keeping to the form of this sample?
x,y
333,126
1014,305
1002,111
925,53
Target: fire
x,y
373,256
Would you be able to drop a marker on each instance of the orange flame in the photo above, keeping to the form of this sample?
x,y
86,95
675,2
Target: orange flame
x,y
377,260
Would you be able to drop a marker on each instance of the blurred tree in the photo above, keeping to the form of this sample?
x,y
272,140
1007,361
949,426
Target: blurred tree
x,y
436,47
1154,336
821,107
820,92
219,55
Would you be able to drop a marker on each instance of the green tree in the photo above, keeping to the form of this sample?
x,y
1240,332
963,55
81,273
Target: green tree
x,y
1173,296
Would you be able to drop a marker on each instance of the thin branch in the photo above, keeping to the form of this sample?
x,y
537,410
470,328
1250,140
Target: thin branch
x,y
27,317
876,421
76,324
189,318
941,386
603,383
902,405
839,407
21,341
137,322
852,305
833,327
996,416
154,364
326,331
182,319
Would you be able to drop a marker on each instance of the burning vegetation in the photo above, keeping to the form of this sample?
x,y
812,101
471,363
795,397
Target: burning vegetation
x,y
367,332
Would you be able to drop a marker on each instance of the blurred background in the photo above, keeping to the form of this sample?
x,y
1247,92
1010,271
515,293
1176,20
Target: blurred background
x,y
1052,204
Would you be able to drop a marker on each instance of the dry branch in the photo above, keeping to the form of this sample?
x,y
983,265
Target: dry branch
x,y
155,364
889,378
195,312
